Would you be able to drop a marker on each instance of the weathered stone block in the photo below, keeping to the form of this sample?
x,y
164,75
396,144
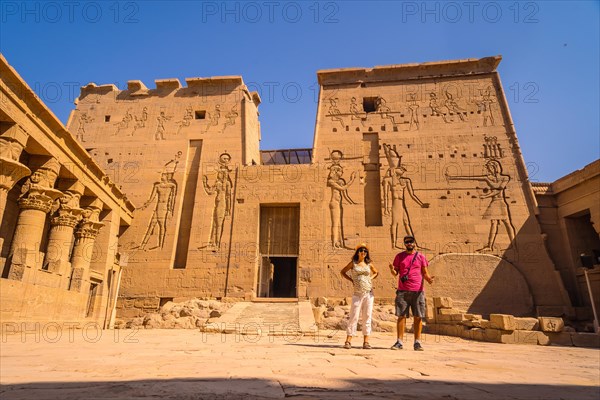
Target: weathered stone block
x,y
447,311
384,326
582,339
560,338
502,321
551,324
442,302
444,319
492,335
430,310
318,313
520,337
473,317
526,324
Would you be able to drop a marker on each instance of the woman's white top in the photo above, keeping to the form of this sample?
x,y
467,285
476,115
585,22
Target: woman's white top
x,y
361,275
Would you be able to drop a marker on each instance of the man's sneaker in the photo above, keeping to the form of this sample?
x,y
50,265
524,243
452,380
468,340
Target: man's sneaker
x,y
397,346
418,347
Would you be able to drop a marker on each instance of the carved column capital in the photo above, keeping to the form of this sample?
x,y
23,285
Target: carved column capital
x,y
67,211
12,141
66,218
11,172
88,229
38,198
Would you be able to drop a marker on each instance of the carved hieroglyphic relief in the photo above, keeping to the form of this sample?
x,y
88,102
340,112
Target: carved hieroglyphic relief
x,y
382,108
435,107
186,120
160,127
395,186
84,118
335,113
165,192
339,193
124,123
497,210
230,117
454,108
222,189
356,111
485,106
491,148
215,116
141,121
413,111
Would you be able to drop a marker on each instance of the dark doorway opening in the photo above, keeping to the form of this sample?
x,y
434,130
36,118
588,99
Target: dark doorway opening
x,y
284,276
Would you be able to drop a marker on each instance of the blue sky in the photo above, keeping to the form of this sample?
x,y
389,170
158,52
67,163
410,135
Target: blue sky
x,y
550,69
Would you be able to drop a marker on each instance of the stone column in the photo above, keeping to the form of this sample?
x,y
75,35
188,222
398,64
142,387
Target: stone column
x,y
12,142
35,202
60,238
85,236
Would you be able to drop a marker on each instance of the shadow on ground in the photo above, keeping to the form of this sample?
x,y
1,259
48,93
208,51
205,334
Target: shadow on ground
x,y
262,389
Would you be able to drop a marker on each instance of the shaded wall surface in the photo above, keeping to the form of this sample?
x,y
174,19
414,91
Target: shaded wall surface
x,y
569,215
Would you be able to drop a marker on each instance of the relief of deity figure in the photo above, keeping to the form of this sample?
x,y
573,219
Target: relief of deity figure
x,y
335,113
436,108
497,211
186,120
413,109
141,121
453,106
222,189
214,117
230,117
339,194
160,127
395,188
124,123
356,113
485,107
83,119
382,108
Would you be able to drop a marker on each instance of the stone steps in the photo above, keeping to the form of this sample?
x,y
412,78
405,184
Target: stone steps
x,y
265,318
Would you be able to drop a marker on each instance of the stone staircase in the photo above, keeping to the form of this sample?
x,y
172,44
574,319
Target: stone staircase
x,y
265,319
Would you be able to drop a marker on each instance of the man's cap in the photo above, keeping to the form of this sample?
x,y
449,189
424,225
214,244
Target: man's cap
x,y
408,237
361,245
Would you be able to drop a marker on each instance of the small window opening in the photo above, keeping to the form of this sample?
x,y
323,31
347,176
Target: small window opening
x,y
107,118
200,114
370,104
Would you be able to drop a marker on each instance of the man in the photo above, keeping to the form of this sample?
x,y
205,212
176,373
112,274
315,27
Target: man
x,y
410,267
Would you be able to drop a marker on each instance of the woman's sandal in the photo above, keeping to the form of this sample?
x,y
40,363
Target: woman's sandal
x,y
347,345
366,345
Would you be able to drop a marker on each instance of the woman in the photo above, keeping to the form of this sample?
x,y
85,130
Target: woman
x,y
362,277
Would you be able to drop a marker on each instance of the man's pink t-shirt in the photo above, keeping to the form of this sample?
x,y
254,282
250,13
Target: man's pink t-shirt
x,y
401,264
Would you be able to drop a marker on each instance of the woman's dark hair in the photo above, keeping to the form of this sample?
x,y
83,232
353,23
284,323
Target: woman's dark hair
x,y
367,257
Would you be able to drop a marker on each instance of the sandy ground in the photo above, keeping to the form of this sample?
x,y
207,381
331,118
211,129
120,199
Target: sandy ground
x,y
60,363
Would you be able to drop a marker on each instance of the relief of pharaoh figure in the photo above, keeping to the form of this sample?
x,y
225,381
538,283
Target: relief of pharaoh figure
x,y
497,211
164,192
396,186
339,193
222,190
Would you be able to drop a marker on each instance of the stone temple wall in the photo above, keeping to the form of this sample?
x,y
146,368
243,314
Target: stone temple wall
x,y
428,149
